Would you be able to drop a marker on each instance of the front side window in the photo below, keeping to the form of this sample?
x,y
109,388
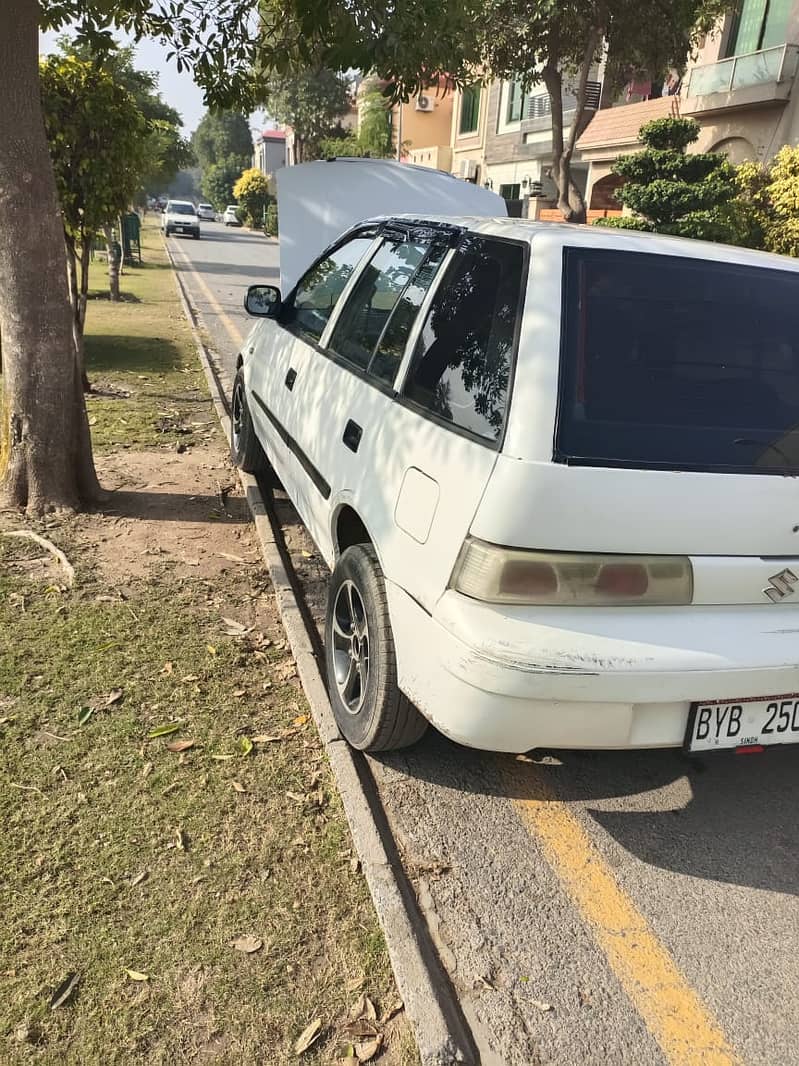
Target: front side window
x,y
679,364
461,365
470,110
381,283
319,290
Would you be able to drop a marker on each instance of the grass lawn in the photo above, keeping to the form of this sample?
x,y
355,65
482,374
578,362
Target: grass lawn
x,y
140,350
165,800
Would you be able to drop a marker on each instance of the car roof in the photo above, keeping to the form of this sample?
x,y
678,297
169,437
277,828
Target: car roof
x,y
571,235
187,202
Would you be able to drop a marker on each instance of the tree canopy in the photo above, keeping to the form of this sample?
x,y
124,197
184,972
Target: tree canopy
x,y
671,191
311,102
218,180
220,135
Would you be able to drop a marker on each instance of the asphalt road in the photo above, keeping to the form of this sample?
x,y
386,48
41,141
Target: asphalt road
x,y
589,908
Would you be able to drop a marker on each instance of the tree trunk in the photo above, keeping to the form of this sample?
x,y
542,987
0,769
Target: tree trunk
x,y
571,203
76,285
113,264
45,449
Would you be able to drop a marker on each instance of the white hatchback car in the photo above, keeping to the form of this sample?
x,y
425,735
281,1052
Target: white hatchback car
x,y
180,216
206,212
231,215
553,472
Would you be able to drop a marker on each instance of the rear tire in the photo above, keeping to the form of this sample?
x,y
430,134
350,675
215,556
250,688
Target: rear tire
x,y
370,710
247,449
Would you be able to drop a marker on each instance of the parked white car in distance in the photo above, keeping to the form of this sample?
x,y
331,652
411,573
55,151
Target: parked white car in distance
x,y
553,472
206,212
180,216
231,215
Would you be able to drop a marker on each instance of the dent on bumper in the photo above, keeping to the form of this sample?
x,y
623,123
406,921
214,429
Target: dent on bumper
x,y
505,681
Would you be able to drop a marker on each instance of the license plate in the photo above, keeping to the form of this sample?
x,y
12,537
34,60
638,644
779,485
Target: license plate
x,y
739,723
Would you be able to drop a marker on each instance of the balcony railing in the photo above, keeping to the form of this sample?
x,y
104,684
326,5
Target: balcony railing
x,y
769,66
539,105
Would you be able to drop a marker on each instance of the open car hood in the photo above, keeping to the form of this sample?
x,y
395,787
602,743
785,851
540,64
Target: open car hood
x,y
319,201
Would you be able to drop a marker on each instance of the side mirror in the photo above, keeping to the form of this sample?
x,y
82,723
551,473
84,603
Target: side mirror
x,y
262,301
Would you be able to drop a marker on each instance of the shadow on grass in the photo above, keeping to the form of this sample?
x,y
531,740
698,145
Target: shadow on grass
x,y
108,354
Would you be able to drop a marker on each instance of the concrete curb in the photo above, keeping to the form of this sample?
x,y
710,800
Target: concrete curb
x,y
442,1035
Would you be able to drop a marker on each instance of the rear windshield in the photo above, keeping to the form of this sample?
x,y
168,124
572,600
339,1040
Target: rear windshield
x,y
676,363
181,209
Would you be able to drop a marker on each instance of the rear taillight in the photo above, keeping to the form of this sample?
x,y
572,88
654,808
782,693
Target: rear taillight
x,y
514,575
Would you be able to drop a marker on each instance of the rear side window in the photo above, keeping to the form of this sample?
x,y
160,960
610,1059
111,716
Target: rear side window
x,y
461,365
678,363
367,311
319,290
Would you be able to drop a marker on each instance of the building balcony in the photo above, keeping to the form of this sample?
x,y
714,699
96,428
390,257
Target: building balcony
x,y
753,80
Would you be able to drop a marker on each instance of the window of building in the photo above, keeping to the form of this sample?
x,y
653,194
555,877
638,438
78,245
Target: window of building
x,y
510,192
470,110
515,103
319,290
367,311
758,24
462,361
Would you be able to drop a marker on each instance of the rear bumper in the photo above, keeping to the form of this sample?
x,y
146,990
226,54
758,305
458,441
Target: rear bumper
x,y
511,679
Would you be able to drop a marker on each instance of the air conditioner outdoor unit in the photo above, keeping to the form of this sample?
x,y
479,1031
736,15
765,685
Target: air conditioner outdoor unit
x,y
425,103
468,169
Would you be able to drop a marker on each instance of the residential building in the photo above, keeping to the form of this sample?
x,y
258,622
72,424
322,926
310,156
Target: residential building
x,y
270,151
518,144
469,125
741,88
421,126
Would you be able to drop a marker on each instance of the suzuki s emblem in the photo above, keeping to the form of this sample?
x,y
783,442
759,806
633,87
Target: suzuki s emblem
x,y
781,585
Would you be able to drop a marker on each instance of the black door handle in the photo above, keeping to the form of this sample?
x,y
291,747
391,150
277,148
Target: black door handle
x,y
352,435
291,377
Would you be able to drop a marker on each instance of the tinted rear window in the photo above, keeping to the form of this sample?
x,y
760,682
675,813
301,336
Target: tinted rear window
x,y
678,363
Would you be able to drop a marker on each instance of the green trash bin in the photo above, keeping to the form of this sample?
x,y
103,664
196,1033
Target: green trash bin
x,y
131,238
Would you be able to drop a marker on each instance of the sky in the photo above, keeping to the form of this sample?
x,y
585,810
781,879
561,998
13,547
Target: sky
x,y
178,90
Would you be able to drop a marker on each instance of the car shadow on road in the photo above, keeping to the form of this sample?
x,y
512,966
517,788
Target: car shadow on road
x,y
722,817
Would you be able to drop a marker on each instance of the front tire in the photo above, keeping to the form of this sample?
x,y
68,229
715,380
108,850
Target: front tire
x,y
247,449
370,710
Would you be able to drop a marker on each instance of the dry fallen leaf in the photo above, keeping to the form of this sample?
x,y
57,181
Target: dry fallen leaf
x,y
180,745
167,668
354,984
239,692
64,991
163,730
180,839
265,738
238,786
137,975
233,558
301,719
137,880
543,1007
189,677
247,944
391,1011
308,1036
211,649
147,769
366,1051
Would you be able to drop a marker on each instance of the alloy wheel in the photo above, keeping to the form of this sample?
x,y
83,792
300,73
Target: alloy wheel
x,y
350,646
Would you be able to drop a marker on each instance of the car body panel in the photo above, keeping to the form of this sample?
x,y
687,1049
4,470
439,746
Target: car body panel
x,y
511,678
312,217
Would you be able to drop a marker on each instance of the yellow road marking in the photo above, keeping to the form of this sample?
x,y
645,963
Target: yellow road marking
x,y
232,329
672,1011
